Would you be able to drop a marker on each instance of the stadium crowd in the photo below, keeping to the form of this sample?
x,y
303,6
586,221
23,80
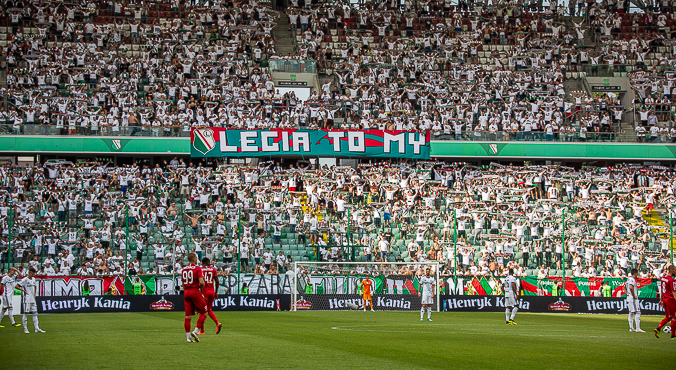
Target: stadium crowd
x,y
471,71
89,218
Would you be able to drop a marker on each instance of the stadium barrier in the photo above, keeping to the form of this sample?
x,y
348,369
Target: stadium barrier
x,y
148,303
649,306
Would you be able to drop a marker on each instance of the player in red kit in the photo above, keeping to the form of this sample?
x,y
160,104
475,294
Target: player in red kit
x,y
193,281
209,291
668,286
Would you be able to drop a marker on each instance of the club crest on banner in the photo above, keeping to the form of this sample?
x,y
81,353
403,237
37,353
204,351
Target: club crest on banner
x,y
204,140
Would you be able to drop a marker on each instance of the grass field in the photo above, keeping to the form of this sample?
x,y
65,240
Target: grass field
x,y
337,340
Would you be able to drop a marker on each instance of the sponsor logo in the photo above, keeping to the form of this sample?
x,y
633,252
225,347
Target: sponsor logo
x,y
523,304
225,302
393,303
162,304
620,305
335,303
559,305
75,304
480,303
245,301
303,304
82,303
204,140
112,303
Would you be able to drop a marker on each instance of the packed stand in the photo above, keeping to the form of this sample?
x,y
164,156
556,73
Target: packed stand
x,y
89,218
477,72
119,68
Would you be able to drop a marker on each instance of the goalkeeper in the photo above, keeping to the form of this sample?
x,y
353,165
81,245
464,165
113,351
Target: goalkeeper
x,y
366,292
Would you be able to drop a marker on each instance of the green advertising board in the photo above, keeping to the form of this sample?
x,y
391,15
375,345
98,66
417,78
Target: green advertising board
x,y
85,144
325,143
552,150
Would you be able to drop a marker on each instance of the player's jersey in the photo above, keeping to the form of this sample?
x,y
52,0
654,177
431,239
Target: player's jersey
x,y
8,283
190,276
509,280
209,274
630,287
426,284
28,284
668,285
366,287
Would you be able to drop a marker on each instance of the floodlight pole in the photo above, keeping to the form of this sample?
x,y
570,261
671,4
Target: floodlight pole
x,y
671,236
9,237
239,246
126,250
348,236
455,247
562,292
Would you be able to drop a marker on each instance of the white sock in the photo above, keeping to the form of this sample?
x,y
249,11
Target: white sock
x,y
422,312
24,321
10,312
35,321
507,314
631,320
197,330
2,314
637,317
187,335
429,312
514,312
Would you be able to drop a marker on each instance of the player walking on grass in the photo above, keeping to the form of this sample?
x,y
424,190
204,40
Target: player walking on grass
x,y
27,285
210,275
668,287
193,281
632,302
511,295
8,283
427,286
366,293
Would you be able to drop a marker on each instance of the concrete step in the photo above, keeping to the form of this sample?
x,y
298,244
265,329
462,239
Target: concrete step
x,y
284,37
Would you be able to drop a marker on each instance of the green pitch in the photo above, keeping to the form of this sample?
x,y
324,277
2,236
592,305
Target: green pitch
x,y
332,340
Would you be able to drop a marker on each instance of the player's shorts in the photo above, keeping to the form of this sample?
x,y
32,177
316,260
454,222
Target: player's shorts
x,y
510,300
670,308
194,302
632,305
6,301
427,299
30,308
209,296
650,206
367,297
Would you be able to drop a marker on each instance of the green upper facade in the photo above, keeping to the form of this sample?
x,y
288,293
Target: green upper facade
x,y
439,149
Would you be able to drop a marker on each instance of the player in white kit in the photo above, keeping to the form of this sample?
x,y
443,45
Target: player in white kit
x,y
28,285
8,282
427,285
511,294
632,302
